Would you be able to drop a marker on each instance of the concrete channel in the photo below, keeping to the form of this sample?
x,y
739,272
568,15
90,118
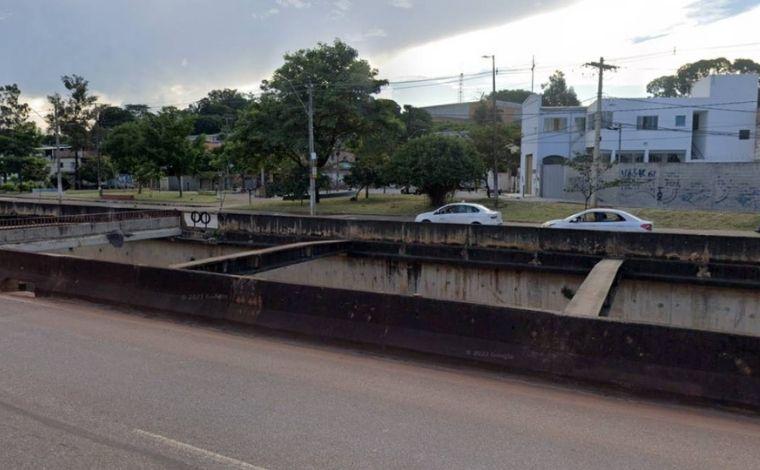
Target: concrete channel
x,y
656,313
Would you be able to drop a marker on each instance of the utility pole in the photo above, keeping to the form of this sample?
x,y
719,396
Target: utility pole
x,y
532,73
493,138
601,66
312,156
58,152
461,88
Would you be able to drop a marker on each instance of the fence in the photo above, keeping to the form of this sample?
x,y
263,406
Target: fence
x,y
48,220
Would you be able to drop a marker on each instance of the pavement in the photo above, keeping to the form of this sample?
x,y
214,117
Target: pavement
x,y
89,386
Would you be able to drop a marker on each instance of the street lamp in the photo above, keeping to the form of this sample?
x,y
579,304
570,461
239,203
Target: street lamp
x,y
493,110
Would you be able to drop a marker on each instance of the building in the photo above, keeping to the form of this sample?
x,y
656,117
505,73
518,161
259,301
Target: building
x,y
718,123
465,112
68,159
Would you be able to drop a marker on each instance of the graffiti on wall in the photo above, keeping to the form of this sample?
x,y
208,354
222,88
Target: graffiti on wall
x,y
705,186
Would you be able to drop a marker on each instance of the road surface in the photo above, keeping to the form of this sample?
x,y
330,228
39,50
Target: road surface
x,y
87,386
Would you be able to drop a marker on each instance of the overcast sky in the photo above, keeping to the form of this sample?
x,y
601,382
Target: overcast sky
x,y
173,51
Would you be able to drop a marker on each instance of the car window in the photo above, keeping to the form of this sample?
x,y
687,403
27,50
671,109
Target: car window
x,y
473,210
460,209
587,217
612,217
444,210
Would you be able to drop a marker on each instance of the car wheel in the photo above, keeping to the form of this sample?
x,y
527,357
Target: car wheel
x,y
476,223
426,221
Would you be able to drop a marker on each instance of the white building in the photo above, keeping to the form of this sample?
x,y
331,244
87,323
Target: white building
x,y
717,123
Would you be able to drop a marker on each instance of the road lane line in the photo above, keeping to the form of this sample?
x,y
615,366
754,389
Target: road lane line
x,y
206,453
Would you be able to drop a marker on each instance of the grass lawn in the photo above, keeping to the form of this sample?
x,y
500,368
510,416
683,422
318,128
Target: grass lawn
x,y
189,197
512,211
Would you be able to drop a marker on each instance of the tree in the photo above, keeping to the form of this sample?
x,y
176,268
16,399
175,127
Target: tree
x,y
166,142
436,165
97,169
137,110
417,121
108,117
507,142
343,85
584,182
513,96
557,93
125,145
18,136
681,83
218,111
75,116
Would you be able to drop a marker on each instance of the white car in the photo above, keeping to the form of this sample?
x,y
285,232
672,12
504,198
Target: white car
x,y
603,219
461,213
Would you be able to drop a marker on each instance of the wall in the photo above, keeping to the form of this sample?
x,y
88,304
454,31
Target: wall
x,y
23,235
498,287
651,358
159,253
729,187
688,306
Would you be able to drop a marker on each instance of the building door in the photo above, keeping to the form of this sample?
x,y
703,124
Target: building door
x,y
528,187
553,177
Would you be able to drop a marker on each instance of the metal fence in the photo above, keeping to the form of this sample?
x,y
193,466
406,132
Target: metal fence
x,y
47,220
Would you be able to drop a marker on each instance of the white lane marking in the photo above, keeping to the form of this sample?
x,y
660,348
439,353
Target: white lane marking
x,y
206,453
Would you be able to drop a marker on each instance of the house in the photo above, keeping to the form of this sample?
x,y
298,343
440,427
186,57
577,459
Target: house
x,y
68,158
717,123
465,112
210,141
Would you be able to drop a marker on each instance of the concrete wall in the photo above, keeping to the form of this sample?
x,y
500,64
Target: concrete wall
x,y
11,206
688,363
688,306
79,230
698,186
499,287
159,253
242,227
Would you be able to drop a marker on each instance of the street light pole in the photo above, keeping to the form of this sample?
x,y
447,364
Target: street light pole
x,y
312,156
493,138
58,152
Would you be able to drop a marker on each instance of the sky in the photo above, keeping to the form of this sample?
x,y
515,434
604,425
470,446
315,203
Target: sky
x,y
172,52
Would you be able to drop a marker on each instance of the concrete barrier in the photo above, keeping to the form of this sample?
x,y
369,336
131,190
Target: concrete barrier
x,y
705,365
239,227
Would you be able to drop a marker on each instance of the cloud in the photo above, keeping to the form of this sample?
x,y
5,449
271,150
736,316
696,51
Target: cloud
x,y
709,11
406,4
294,3
267,14
366,35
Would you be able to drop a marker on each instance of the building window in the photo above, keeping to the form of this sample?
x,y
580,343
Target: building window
x,y
580,124
744,134
555,124
631,157
667,157
681,121
648,123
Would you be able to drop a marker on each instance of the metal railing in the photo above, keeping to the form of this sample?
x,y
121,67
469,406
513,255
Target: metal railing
x,y
47,220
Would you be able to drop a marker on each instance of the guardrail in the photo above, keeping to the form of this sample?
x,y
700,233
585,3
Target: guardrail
x,y
48,220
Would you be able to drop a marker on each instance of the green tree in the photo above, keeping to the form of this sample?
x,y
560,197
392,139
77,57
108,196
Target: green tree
x,y
506,139
343,89
95,169
681,83
513,96
418,122
557,93
436,165
218,111
166,142
18,136
137,110
108,117
76,115
125,144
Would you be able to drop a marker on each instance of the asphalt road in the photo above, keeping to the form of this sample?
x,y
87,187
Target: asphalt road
x,y
87,386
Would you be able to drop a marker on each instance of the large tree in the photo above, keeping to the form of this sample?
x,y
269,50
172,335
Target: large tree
x,y
557,93
218,111
166,142
436,165
513,96
343,86
681,83
75,116
18,135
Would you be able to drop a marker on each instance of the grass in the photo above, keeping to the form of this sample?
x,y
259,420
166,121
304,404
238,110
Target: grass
x,y
512,211
146,196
